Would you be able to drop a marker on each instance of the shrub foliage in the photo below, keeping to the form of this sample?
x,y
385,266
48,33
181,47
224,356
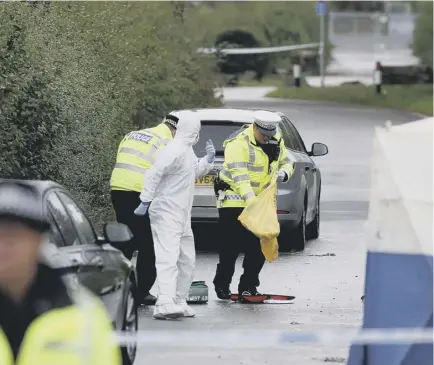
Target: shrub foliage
x,y
423,33
75,77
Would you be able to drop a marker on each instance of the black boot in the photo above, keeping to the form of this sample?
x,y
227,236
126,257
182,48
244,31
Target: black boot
x,y
148,300
223,293
249,291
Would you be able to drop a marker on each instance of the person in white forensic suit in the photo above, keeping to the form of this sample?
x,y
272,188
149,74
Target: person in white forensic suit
x,y
168,193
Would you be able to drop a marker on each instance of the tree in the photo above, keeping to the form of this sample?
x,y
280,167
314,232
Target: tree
x,y
75,77
423,34
272,23
30,122
367,6
238,64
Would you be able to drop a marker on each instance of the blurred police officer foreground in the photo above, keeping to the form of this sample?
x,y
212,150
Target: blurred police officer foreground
x,y
43,318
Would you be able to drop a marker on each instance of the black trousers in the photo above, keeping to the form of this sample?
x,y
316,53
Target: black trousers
x,y
234,240
378,89
124,204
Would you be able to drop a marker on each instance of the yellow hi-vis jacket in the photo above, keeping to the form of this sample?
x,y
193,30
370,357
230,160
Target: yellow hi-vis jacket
x,y
78,334
136,154
247,170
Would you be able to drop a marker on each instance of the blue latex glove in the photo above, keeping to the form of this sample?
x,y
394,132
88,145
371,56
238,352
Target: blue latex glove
x,y
210,151
142,208
282,176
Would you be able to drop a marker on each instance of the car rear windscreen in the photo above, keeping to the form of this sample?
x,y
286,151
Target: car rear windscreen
x,y
218,132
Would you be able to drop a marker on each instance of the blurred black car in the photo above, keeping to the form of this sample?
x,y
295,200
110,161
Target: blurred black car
x,y
92,260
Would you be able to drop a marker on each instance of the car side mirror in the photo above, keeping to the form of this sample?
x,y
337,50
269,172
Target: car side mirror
x,y
117,233
318,149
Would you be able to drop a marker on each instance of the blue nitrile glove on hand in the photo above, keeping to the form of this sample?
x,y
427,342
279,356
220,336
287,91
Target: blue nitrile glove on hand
x,y
142,208
210,151
282,176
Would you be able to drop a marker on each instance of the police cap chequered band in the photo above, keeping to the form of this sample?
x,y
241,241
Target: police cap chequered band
x,y
172,120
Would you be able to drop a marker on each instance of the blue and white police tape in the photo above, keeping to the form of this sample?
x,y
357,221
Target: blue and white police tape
x,y
261,338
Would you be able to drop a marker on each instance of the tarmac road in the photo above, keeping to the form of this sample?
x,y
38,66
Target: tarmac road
x,y
327,278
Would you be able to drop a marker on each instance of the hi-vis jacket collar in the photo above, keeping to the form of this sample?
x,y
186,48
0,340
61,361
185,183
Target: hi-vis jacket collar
x,y
166,132
163,132
251,136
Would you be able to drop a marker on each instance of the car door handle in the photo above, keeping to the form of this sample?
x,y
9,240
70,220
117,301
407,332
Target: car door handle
x,y
307,168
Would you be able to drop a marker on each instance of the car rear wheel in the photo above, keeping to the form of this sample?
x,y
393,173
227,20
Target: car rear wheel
x,y
284,239
294,239
130,325
312,229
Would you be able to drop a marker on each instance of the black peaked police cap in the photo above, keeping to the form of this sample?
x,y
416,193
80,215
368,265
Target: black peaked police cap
x,y
21,202
172,120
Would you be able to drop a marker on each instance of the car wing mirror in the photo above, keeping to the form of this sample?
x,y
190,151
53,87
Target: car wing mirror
x,y
117,233
318,149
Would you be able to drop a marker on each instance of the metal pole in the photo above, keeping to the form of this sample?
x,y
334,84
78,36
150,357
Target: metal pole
x,y
377,36
322,31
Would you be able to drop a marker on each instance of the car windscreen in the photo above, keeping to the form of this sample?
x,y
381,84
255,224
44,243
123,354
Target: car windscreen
x,y
218,132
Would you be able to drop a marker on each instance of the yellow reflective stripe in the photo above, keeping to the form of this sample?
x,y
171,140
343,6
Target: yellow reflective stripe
x,y
243,165
241,178
127,166
252,159
226,173
252,155
237,165
146,156
249,195
267,185
249,165
256,168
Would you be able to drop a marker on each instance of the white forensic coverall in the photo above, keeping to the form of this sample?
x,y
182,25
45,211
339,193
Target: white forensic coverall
x,y
170,187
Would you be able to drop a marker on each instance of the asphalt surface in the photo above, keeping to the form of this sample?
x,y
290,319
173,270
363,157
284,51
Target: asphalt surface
x,y
327,278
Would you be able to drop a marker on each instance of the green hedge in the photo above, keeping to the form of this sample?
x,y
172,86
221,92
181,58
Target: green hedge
x,y
75,77
423,32
413,98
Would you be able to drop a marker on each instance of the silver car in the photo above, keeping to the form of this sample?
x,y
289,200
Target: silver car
x,y
298,201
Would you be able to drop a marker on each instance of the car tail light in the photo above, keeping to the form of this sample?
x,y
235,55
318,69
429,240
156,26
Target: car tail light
x,y
282,212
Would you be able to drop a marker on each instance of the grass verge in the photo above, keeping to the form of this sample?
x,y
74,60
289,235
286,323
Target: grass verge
x,y
276,81
412,98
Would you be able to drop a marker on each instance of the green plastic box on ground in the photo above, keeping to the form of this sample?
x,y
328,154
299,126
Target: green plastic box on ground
x,y
198,293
